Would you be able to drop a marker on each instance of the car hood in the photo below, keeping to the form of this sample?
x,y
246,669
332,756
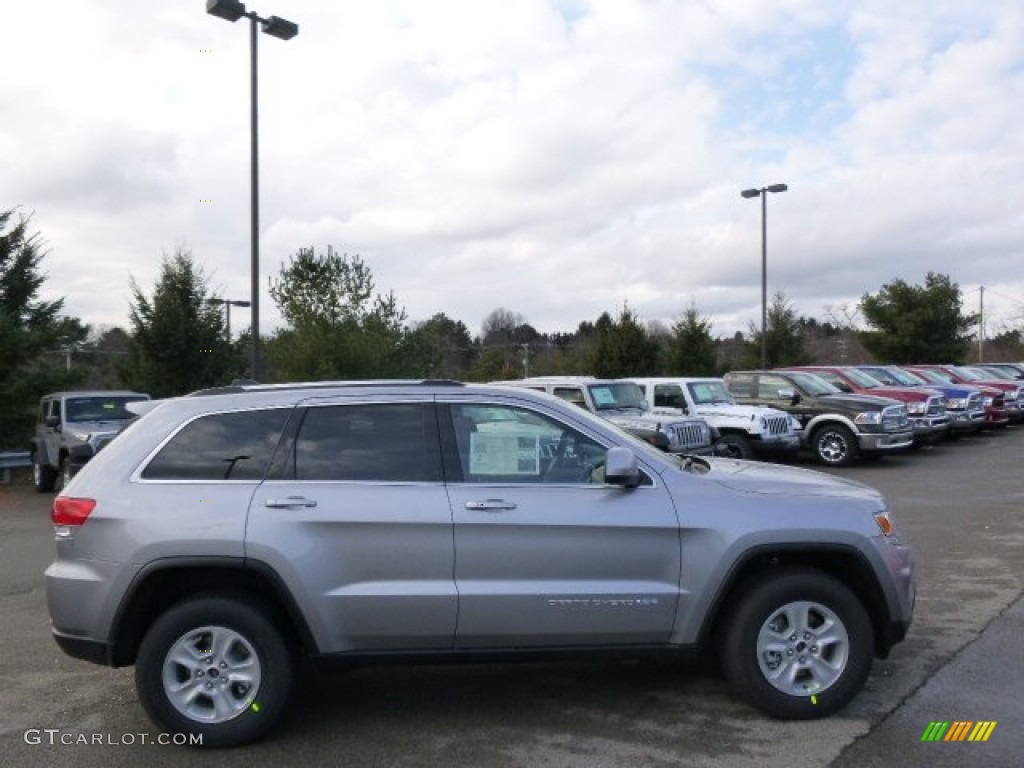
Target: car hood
x,y
864,402
96,427
782,480
734,411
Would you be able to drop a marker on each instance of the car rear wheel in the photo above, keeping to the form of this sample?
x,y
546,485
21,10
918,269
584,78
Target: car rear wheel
x,y
214,667
834,445
799,645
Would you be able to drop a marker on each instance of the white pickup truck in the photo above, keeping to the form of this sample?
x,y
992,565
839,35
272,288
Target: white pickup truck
x,y
746,431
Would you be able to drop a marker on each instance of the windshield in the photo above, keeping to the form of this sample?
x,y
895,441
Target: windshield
x,y
862,379
892,376
100,408
619,394
910,378
935,377
1002,373
709,392
814,385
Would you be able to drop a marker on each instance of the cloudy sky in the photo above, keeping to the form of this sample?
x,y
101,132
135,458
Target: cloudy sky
x,y
560,158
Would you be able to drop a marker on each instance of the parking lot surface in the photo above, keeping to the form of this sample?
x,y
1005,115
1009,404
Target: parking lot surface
x,y
960,504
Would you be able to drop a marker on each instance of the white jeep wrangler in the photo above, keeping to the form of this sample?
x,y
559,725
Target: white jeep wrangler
x,y
745,431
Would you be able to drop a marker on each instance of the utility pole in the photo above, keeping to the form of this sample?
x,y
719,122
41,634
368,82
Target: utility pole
x,y
981,328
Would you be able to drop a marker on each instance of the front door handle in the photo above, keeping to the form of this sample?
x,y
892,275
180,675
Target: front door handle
x,y
289,502
490,505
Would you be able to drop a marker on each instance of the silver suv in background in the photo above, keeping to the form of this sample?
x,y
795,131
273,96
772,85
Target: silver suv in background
x,y
226,535
622,403
71,427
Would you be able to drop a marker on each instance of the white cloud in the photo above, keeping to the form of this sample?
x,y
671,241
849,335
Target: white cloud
x,y
556,158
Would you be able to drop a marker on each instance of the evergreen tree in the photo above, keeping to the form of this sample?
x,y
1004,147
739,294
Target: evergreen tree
x,y
918,324
32,332
785,336
178,340
623,348
692,349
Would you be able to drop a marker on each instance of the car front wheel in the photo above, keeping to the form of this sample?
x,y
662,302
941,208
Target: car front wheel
x,y
736,446
799,645
834,445
216,668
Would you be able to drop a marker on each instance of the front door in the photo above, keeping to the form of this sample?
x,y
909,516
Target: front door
x,y
546,554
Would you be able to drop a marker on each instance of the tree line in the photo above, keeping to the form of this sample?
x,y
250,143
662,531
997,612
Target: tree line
x,y
339,326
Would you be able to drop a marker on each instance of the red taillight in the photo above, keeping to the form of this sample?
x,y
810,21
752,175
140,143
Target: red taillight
x,y
67,511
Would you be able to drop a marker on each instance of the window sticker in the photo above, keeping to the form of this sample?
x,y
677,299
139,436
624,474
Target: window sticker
x,y
505,454
602,396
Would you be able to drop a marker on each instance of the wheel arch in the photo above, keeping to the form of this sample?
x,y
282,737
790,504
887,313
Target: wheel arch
x,y
827,419
168,582
845,564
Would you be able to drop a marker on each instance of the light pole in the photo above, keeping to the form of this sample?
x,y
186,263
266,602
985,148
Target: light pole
x,y
228,304
763,194
275,26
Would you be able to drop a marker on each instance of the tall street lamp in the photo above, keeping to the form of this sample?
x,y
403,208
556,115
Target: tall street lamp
x,y
275,26
763,194
228,304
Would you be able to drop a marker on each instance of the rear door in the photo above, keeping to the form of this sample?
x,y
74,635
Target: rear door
x,y
546,553
354,513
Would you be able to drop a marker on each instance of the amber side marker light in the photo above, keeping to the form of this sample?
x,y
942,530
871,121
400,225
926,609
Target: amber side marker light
x,y
71,511
884,523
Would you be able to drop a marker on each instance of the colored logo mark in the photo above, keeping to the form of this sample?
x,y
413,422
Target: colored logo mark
x,y
959,730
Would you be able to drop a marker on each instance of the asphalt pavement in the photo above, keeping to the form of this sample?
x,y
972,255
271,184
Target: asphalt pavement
x,y
961,505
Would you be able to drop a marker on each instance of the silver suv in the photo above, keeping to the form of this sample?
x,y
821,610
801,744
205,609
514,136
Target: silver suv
x,y
71,427
223,535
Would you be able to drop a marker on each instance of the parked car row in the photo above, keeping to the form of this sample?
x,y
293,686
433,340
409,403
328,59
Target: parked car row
x,y
852,411
838,413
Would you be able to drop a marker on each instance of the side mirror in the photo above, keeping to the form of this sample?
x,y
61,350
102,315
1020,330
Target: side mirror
x,y
786,394
620,467
52,421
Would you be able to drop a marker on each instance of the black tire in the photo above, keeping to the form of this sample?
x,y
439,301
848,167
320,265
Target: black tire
x,y
44,477
253,655
833,672
834,445
63,475
737,446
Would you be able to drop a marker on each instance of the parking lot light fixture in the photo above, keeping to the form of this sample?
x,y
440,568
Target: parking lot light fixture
x,y
275,26
762,192
228,304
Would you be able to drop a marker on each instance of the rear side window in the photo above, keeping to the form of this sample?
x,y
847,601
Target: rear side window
x,y
385,442
221,446
668,396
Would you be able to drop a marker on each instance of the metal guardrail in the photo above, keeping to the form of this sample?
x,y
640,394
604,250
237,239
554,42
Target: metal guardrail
x,y
13,460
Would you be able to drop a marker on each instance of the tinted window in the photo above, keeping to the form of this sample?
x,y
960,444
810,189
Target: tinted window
x,y
394,442
498,443
222,446
740,385
768,387
572,395
668,396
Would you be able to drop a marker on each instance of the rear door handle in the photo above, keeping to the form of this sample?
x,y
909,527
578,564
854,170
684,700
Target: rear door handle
x,y
490,505
289,502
